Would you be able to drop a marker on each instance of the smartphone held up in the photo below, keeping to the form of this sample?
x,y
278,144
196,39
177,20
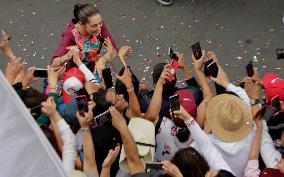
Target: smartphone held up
x,y
173,64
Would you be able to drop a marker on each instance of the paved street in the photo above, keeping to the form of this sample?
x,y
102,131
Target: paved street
x,y
236,30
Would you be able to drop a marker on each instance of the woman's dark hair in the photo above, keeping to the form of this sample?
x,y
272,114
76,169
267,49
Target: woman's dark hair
x,y
32,98
224,173
183,134
190,162
157,71
83,11
51,137
120,88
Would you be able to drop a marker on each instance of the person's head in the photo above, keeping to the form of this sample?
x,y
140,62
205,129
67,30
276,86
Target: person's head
x,y
106,98
183,134
274,86
218,173
157,71
32,98
190,162
229,118
120,88
89,17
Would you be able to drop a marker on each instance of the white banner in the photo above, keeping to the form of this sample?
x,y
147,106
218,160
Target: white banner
x,y
24,149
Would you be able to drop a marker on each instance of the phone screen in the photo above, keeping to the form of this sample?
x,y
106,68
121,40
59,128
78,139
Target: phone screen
x,y
249,68
275,102
153,166
196,50
102,118
107,78
172,54
174,102
82,104
213,69
40,72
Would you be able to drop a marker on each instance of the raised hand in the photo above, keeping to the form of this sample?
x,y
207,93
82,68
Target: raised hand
x,y
126,78
12,69
112,154
118,120
88,116
49,107
171,169
199,63
4,43
111,52
29,77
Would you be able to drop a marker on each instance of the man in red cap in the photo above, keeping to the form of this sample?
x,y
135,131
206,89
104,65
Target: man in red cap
x,y
273,86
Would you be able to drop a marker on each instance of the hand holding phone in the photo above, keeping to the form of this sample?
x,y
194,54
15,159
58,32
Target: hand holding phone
x,y
153,166
82,104
213,69
101,119
40,72
249,68
196,50
173,64
174,103
275,102
107,78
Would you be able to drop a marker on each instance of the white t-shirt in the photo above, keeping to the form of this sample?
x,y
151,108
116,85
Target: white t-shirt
x,y
167,144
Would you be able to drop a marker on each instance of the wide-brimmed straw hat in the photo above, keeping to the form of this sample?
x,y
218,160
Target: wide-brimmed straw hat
x,y
229,118
143,132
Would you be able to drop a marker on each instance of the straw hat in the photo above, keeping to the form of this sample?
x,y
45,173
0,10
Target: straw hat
x,y
143,132
229,118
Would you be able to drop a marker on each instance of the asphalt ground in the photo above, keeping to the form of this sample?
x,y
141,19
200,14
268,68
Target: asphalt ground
x,y
236,30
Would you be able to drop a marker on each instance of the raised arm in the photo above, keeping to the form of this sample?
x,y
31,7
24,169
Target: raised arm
x,y
210,153
208,93
4,45
154,107
89,165
62,128
130,147
134,107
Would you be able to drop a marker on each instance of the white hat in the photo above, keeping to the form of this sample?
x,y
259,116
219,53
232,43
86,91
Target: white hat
x,y
143,132
76,173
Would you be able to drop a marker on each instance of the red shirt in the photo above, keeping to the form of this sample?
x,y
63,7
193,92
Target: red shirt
x,y
68,39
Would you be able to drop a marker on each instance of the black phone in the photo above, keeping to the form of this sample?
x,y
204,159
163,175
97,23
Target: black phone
x,y
249,68
172,54
82,104
205,69
153,166
102,118
174,102
213,69
107,77
268,113
275,102
196,50
40,72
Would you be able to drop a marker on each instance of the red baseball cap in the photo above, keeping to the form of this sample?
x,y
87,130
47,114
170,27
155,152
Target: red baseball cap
x,y
186,99
273,86
271,172
73,81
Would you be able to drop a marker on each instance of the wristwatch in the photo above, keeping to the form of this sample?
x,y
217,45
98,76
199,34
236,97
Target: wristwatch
x,y
254,101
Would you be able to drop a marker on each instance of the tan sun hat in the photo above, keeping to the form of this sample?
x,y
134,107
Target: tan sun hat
x,y
143,132
76,173
229,118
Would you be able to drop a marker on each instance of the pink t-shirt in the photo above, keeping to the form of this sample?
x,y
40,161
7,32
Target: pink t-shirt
x,y
251,169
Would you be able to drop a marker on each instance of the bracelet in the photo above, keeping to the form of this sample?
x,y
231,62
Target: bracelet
x,y
130,90
85,129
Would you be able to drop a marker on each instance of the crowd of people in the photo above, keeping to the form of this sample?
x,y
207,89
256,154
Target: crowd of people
x,y
222,132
